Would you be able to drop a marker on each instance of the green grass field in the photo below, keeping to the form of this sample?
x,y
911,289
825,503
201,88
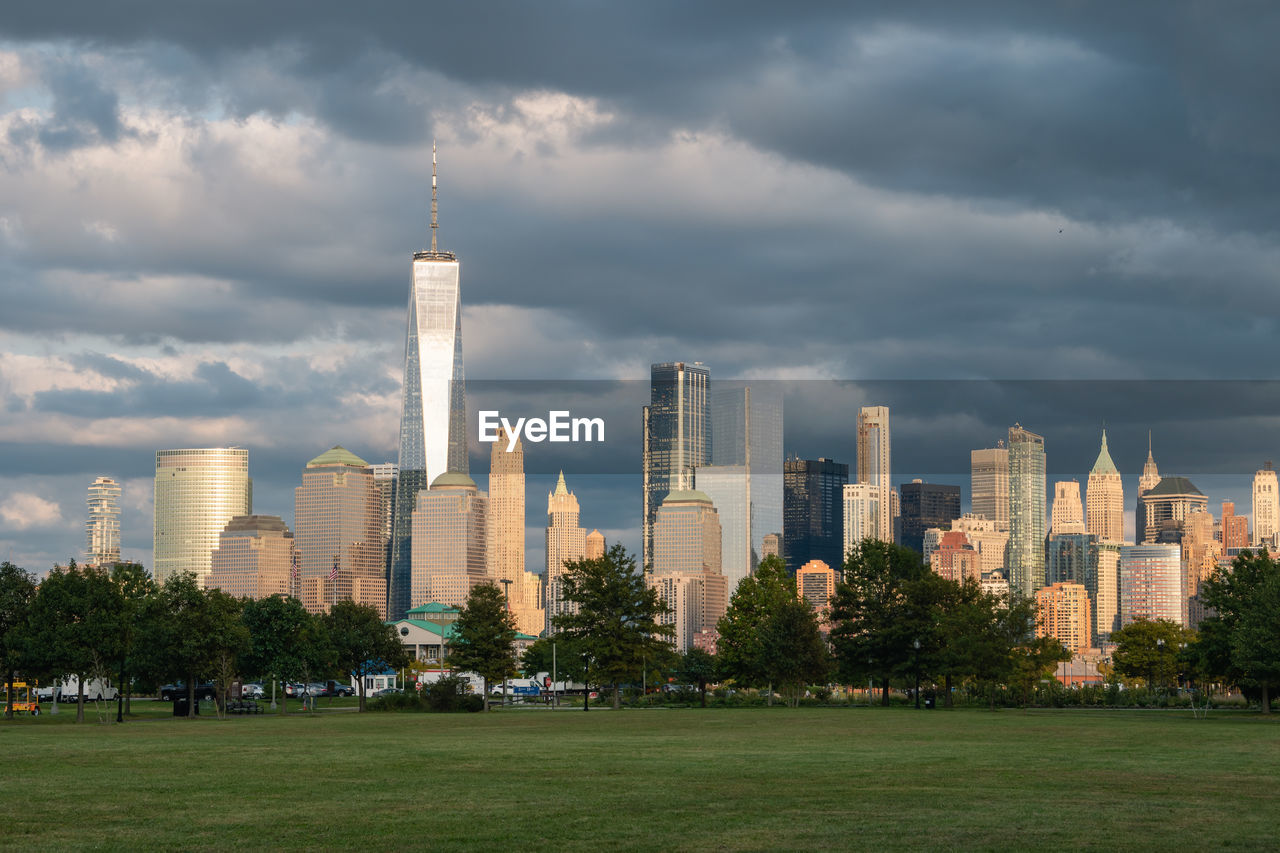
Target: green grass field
x,y
646,779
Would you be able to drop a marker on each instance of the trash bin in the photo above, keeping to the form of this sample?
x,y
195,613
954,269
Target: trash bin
x,y
928,701
180,706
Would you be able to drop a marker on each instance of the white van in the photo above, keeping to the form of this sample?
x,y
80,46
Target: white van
x,y
95,689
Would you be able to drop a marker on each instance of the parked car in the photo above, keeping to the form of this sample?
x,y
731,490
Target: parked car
x,y
337,688
317,689
252,690
205,690
387,691
294,690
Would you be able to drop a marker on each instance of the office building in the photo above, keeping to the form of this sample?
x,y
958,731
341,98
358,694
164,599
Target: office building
x,y
1235,528
1104,498
566,540
772,546
1063,612
816,583
1166,506
450,531
505,551
1106,603
861,511
385,475
433,410
746,423
926,505
874,466
197,491
1072,558
102,530
687,550
1067,513
255,558
676,436
595,545
989,484
729,488
991,543
813,511
1026,511
1266,506
1151,583
955,558
340,529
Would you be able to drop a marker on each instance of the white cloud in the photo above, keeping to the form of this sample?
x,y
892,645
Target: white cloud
x,y
24,511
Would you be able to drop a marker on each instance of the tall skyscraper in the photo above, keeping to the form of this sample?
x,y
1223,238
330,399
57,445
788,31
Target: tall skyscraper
x,y
677,436
1026,511
861,515
505,552
926,505
816,584
449,535
989,484
566,540
1151,583
747,471
1149,480
339,532
686,563
595,545
1106,609
813,511
433,410
1266,505
385,474
874,465
255,558
102,530
1104,498
197,491
1067,514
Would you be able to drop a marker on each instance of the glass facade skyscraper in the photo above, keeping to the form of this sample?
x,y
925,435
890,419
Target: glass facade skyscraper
x,y
433,411
102,530
813,511
1026,511
677,436
197,492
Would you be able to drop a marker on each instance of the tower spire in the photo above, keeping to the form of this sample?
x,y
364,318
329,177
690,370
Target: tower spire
x,y
435,224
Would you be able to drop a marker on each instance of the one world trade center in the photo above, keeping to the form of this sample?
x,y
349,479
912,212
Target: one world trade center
x,y
433,411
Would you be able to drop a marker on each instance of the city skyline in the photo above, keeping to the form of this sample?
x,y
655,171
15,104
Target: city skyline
x,y
170,201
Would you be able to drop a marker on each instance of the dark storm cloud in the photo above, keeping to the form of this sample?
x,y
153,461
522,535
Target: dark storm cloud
x,y
84,111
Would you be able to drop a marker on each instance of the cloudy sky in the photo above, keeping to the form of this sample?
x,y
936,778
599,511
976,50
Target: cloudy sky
x,y
207,215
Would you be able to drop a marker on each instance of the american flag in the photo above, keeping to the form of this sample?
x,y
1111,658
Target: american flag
x,y
333,573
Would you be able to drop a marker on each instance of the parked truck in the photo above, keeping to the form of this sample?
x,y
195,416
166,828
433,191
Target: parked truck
x,y
68,689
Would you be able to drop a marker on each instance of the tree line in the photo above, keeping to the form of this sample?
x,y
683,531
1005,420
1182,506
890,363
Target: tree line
x,y
117,623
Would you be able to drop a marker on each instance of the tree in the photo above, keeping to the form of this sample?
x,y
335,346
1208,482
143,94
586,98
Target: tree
x,y
74,625
17,589
135,588
557,656
615,620
1150,650
362,643
1243,635
875,626
794,651
699,667
740,648
285,641
196,632
484,637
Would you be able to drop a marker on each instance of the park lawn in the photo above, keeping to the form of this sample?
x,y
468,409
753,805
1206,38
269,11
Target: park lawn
x,y
749,778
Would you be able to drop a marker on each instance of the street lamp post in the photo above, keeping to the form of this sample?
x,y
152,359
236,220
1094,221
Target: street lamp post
x,y
506,594
916,643
1159,654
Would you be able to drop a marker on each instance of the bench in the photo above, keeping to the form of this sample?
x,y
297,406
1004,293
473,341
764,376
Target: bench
x,y
243,706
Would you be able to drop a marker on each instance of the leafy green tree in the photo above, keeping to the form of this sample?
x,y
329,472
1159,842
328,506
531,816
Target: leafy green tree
x,y
136,589
196,632
875,625
794,652
1243,635
74,625
699,667
1150,650
564,662
17,589
484,636
615,622
966,618
362,643
285,641
741,648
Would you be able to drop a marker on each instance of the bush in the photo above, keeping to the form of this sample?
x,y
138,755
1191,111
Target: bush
x,y
448,695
